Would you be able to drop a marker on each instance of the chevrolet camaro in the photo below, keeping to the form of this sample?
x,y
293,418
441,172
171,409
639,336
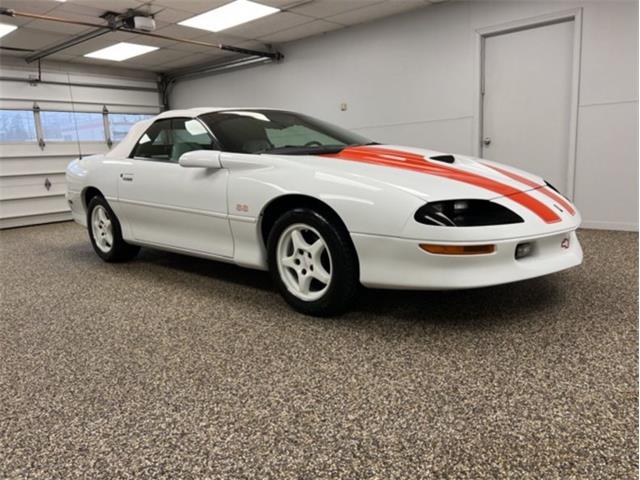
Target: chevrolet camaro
x,y
323,209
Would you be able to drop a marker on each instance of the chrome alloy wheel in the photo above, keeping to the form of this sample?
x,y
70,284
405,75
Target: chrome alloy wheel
x,y
102,228
304,262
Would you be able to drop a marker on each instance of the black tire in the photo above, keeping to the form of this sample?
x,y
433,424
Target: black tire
x,y
344,281
120,251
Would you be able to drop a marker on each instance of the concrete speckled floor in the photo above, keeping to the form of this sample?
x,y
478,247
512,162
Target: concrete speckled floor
x,y
174,367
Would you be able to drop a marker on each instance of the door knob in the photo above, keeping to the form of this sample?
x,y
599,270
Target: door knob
x,y
486,141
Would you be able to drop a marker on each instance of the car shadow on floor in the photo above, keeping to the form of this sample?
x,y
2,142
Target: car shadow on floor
x,y
456,306
506,303
216,270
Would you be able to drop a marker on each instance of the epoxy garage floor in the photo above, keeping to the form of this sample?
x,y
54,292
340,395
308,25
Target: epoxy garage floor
x,y
173,367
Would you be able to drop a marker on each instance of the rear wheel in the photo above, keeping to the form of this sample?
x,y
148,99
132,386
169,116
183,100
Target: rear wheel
x,y
105,233
312,262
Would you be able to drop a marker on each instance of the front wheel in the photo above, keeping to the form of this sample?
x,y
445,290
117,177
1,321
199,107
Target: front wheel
x,y
105,233
313,263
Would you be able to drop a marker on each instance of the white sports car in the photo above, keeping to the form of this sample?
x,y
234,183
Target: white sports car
x,y
322,208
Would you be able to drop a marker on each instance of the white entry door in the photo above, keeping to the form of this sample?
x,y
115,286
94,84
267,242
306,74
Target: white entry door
x,y
527,100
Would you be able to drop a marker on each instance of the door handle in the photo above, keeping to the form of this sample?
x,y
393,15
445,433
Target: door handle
x,y
486,141
126,177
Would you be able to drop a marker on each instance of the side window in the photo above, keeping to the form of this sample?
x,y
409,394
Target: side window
x,y
188,135
156,142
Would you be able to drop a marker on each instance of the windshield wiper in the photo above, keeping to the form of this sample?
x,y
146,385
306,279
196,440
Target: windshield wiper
x,y
302,150
312,150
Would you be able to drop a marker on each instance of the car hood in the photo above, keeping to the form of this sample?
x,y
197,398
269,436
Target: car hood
x,y
428,174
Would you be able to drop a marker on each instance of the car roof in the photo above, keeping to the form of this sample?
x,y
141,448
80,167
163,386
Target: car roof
x,y
124,148
194,112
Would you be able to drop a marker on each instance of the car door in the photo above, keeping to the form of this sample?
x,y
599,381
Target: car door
x,y
167,205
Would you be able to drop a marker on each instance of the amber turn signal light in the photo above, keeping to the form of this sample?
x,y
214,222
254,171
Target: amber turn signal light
x,y
458,249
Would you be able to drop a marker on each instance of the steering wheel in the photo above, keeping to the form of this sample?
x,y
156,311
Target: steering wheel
x,y
313,143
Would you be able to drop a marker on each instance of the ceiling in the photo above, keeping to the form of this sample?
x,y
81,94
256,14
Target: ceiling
x,y
298,19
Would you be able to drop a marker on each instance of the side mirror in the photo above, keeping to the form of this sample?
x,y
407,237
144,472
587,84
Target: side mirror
x,y
201,159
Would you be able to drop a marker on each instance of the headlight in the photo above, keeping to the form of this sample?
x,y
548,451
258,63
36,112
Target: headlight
x,y
465,213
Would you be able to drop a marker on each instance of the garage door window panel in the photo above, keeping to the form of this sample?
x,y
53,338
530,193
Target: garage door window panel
x,y
72,126
17,126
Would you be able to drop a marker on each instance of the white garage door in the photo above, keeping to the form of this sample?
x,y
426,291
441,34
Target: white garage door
x,y
43,126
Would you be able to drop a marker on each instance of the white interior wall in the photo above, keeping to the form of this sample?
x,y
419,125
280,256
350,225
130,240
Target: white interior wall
x,y
411,79
25,167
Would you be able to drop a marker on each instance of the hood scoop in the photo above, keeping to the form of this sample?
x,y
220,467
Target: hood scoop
x,y
444,158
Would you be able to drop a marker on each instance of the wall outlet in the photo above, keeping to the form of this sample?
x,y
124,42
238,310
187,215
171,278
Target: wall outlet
x,y
343,106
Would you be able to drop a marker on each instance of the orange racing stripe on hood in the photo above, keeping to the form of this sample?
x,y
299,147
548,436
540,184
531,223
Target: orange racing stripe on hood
x,y
412,161
545,190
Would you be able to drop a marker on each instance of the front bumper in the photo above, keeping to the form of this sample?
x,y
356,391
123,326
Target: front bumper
x,y
74,199
399,263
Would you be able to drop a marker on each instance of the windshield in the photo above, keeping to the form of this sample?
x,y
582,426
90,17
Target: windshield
x,y
272,131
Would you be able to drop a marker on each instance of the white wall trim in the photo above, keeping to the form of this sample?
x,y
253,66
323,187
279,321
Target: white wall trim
x,y
31,220
603,104
412,122
574,15
596,225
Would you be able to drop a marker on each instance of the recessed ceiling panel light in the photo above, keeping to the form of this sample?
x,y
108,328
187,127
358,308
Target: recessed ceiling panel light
x,y
121,51
6,28
229,15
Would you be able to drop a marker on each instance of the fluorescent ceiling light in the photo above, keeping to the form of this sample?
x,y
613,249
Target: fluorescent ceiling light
x,y
6,28
121,51
229,15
